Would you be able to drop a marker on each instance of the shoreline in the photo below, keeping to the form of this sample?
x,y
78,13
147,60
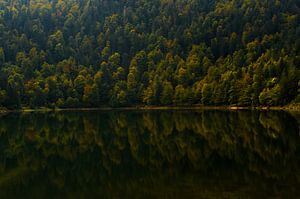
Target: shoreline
x,y
292,108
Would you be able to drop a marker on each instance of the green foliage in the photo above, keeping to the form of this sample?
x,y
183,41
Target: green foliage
x,y
126,53
271,96
167,94
2,57
3,96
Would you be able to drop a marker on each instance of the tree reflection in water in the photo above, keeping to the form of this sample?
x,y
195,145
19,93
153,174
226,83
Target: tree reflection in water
x,y
150,154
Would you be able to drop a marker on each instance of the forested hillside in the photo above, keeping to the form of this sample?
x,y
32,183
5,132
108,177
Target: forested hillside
x,y
94,53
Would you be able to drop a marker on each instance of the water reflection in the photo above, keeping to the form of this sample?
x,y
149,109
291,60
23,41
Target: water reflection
x,y
150,154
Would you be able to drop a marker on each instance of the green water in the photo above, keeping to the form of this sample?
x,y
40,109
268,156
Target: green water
x,y
150,154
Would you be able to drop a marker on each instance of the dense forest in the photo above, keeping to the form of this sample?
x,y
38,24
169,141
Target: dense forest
x,y
96,53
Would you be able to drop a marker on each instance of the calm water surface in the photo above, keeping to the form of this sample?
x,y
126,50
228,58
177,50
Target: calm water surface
x,y
150,154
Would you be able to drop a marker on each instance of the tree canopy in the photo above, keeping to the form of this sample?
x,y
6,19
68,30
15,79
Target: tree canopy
x,y
93,53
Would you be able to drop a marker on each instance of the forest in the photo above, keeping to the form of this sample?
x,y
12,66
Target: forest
x,y
121,53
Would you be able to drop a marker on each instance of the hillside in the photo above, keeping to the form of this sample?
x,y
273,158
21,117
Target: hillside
x,y
94,53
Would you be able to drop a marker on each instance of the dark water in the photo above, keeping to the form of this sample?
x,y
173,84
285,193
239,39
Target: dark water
x,y
150,154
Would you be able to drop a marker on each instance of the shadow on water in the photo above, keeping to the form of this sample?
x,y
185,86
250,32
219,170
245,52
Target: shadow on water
x,y
150,154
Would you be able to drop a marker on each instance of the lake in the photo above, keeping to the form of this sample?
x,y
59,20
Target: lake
x,y
150,154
